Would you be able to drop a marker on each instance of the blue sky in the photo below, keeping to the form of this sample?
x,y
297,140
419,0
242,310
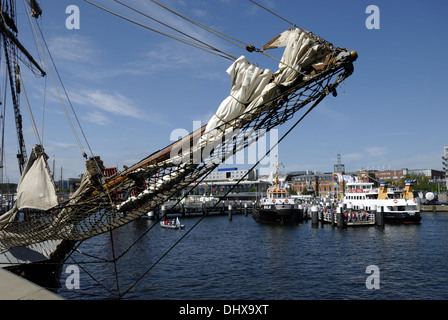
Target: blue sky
x,y
131,87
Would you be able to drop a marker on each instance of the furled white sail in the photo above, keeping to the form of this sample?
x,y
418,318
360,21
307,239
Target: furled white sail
x,y
301,51
36,189
248,81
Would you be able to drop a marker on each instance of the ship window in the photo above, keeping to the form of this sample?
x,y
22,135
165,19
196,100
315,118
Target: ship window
x,y
402,208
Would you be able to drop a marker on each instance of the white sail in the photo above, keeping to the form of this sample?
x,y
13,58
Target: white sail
x,y
248,81
36,189
301,51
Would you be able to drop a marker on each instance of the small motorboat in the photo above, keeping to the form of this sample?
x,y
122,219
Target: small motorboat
x,y
173,224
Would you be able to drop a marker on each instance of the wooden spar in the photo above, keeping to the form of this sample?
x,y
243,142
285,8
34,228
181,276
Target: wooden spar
x,y
12,37
156,157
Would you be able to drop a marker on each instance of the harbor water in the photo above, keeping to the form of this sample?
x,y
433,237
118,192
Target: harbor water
x,y
222,259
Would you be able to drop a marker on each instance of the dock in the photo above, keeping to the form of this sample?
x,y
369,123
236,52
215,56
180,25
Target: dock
x,y
14,287
433,208
194,209
327,217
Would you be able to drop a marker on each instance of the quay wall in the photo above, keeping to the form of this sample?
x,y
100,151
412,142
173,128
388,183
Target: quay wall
x,y
433,208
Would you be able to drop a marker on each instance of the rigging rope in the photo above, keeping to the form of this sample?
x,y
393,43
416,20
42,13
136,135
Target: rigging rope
x,y
185,41
30,112
202,45
309,33
275,14
207,28
54,82
181,32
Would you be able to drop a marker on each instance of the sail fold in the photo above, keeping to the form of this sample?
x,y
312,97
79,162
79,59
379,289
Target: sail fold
x,y
248,81
300,53
36,189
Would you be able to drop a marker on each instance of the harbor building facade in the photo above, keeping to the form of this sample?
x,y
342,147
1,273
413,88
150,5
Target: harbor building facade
x,y
221,180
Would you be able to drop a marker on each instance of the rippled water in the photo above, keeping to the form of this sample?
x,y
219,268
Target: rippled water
x,y
242,259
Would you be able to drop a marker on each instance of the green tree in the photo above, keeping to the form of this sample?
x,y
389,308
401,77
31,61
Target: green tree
x,y
422,183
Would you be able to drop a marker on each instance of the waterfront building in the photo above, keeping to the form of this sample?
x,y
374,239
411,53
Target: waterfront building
x,y
71,184
319,184
397,176
221,180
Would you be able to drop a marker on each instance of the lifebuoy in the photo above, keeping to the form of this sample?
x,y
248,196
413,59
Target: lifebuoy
x,y
415,200
395,201
286,200
273,200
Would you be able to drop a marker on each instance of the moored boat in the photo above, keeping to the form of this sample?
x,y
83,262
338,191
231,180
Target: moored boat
x,y
278,207
398,206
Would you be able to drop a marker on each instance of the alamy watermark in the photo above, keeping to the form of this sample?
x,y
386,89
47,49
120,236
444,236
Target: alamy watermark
x,y
73,21
373,20
373,280
233,146
72,280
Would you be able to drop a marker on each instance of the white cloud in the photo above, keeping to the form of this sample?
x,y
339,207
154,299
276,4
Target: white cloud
x,y
98,118
115,104
74,49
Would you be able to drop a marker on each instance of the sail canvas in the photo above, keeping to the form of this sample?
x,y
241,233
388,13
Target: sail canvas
x,y
36,189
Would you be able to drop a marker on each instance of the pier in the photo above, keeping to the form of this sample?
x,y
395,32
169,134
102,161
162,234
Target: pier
x,y
195,209
347,217
14,287
433,208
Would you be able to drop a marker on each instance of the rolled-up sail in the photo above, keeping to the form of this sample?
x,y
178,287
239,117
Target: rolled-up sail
x,y
248,81
300,53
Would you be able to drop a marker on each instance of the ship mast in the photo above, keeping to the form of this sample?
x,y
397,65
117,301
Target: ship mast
x,y
11,49
276,173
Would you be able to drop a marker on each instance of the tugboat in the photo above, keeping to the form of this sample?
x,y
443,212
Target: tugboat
x,y
398,206
278,207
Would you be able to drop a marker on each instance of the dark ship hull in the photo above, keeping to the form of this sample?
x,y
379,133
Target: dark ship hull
x,y
402,217
278,214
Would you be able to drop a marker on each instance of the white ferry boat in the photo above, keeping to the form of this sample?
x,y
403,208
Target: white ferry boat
x,y
397,205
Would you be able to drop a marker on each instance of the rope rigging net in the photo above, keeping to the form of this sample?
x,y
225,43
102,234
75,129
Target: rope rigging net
x,y
96,208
